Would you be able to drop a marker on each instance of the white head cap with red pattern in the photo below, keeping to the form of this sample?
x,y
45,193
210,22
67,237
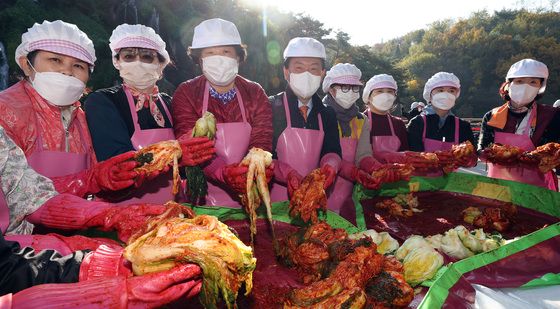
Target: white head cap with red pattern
x,y
140,36
57,37
342,74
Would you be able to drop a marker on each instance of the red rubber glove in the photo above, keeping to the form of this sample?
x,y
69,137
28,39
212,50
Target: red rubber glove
x,y
113,174
126,220
148,291
235,177
468,161
389,156
116,173
196,150
369,164
69,212
365,179
445,158
143,176
330,174
293,180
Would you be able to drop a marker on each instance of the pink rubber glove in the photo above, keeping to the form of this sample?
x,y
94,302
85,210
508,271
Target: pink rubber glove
x,y
293,182
69,212
105,261
114,174
148,291
64,245
347,171
196,150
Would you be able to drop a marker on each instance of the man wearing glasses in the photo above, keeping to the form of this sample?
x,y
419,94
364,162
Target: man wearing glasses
x,y
305,131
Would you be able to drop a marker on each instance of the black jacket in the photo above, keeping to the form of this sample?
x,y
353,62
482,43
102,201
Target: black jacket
x,y
331,142
416,128
21,268
110,121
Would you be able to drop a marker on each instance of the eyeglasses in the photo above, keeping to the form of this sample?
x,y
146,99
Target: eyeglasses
x,y
131,54
346,88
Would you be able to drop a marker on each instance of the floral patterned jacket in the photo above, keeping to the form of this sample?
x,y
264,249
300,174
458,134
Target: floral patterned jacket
x,y
23,190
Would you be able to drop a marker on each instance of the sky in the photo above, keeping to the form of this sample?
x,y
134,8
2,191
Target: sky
x,y
372,21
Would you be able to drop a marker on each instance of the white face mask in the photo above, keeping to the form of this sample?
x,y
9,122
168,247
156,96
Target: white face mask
x,y
305,84
383,101
522,94
346,100
140,75
57,88
220,70
443,100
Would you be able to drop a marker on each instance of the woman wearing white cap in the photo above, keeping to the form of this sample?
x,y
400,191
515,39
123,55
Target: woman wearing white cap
x,y
387,133
135,114
42,113
305,131
415,109
342,85
240,106
522,122
437,128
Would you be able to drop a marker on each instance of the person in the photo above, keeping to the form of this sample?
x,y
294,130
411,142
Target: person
x,y
387,133
522,122
305,131
135,114
437,128
342,85
87,279
415,109
240,106
42,114
556,104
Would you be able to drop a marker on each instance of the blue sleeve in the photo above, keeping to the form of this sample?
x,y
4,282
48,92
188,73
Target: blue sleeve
x,y
108,130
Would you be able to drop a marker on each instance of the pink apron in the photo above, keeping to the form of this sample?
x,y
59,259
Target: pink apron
x,y
387,143
341,195
52,163
298,147
49,163
431,145
157,190
232,143
530,176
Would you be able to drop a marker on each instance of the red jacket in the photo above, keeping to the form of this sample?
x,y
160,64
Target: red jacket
x,y
187,109
25,114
